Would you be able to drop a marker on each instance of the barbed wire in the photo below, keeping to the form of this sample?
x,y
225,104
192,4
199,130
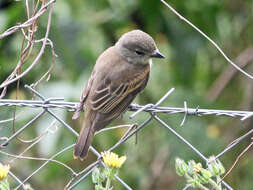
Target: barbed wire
x,y
8,140
48,104
71,106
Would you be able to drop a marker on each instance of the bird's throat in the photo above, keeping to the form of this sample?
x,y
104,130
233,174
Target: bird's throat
x,y
150,62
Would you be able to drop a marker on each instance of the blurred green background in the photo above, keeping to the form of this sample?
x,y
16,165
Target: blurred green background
x,y
81,30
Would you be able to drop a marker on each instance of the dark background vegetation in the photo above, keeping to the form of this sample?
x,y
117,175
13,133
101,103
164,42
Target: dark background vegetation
x,y
81,30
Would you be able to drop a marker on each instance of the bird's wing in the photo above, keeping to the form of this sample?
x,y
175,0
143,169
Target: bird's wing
x,y
107,96
83,98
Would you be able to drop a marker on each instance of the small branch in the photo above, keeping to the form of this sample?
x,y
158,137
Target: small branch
x,y
28,22
38,56
237,159
209,39
40,159
223,79
71,106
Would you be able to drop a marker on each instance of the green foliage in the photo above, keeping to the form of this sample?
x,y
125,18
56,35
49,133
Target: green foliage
x,y
4,185
198,177
81,31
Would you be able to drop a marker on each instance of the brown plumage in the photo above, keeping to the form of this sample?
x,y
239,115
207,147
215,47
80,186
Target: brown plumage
x,y
120,73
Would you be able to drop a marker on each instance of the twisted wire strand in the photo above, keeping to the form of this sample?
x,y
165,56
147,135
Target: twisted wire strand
x,y
71,106
152,109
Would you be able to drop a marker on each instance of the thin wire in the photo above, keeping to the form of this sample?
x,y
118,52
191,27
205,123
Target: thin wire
x,y
71,106
209,39
180,137
68,127
188,144
234,143
44,164
22,129
47,104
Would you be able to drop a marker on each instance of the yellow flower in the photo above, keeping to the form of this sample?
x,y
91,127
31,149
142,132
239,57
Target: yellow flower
x,y
112,160
197,167
4,169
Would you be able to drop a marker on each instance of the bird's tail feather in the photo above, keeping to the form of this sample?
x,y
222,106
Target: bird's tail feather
x,y
83,142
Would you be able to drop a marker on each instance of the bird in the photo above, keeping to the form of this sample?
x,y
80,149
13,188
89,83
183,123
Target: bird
x,y
120,73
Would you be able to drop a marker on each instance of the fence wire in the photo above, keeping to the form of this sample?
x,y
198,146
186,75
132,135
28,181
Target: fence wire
x,y
48,104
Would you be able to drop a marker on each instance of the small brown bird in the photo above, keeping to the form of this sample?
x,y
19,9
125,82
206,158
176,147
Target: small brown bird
x,y
120,73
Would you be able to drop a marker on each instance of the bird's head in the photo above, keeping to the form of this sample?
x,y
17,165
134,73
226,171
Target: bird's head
x,y
137,47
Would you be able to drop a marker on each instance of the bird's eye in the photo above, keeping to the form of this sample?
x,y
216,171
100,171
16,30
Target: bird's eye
x,y
139,52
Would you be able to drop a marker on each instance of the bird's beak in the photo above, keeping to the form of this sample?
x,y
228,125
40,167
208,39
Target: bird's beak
x,y
157,54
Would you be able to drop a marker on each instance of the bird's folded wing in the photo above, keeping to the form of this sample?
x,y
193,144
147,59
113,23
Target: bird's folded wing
x,y
104,99
83,97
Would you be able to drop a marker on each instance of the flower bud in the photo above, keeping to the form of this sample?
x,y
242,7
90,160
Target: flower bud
x,y
4,169
194,181
97,176
197,167
191,165
181,167
215,166
205,175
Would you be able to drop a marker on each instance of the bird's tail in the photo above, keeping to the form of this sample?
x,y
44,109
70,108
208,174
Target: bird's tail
x,y
84,142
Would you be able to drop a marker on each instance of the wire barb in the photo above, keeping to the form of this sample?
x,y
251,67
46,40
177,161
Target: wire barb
x,y
47,104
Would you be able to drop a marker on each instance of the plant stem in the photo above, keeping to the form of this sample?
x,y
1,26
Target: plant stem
x,y
214,184
202,187
4,185
108,183
218,179
199,185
